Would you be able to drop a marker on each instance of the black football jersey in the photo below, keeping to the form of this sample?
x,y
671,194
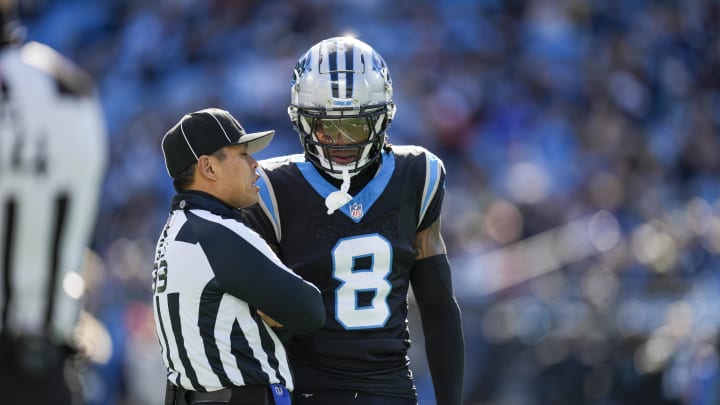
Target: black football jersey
x,y
359,257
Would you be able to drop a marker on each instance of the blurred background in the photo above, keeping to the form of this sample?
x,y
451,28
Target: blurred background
x,y
582,210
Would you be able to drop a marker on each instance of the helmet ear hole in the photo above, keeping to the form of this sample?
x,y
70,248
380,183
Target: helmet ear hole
x,y
292,113
390,112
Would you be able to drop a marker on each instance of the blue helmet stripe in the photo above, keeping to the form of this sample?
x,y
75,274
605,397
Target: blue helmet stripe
x,y
432,181
349,68
334,72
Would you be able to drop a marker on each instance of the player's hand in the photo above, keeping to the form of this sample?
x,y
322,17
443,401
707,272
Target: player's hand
x,y
269,321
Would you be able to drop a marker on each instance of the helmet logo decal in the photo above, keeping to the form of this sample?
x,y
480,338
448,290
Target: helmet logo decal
x,y
302,66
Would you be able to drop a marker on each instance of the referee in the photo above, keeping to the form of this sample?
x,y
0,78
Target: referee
x,y
218,287
53,152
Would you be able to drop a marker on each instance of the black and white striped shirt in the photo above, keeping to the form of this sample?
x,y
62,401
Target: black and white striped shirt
x,y
53,153
211,275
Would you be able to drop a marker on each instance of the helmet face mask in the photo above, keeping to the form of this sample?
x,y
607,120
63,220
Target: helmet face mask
x,y
341,105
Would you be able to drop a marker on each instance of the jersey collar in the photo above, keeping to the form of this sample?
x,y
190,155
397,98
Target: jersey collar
x,y
194,199
362,201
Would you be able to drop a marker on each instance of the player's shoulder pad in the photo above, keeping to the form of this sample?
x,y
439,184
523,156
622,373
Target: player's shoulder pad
x,y
274,169
418,157
409,150
276,163
429,168
268,169
70,79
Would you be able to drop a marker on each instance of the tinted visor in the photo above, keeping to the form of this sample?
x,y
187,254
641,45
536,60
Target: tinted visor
x,y
342,131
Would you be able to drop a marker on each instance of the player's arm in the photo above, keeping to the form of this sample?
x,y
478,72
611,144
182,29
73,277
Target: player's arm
x,y
440,314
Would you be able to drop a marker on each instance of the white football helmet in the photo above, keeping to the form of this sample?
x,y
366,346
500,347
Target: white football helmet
x,y
341,104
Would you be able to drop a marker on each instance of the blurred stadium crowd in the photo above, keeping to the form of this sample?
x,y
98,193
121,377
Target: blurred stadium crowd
x,y
581,143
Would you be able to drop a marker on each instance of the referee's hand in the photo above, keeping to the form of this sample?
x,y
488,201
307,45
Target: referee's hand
x,y
269,321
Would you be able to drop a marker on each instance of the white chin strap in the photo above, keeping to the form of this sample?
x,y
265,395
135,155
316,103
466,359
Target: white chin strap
x,y
342,168
337,199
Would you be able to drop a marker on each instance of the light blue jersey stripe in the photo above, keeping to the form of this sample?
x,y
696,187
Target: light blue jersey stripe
x,y
268,202
432,181
364,200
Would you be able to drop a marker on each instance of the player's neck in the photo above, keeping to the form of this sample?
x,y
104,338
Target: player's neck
x,y
359,181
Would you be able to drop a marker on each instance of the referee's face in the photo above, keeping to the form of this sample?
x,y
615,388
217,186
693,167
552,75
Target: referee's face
x,y
237,176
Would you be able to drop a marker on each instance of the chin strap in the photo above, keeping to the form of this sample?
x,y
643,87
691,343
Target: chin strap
x,y
337,199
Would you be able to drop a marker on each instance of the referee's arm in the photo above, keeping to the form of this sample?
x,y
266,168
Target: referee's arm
x,y
246,272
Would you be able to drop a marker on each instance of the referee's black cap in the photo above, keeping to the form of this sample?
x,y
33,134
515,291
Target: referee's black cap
x,y
203,133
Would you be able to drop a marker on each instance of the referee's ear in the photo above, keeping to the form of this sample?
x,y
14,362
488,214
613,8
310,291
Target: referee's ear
x,y
205,168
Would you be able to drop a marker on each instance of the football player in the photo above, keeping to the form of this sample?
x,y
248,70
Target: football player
x,y
360,219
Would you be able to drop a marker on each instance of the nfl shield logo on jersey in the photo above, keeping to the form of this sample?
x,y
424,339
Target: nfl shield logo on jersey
x,y
356,210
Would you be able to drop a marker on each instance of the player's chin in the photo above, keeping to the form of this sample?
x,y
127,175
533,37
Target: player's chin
x,y
343,160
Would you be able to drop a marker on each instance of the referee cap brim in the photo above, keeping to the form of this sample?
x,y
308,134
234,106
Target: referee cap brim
x,y
257,141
